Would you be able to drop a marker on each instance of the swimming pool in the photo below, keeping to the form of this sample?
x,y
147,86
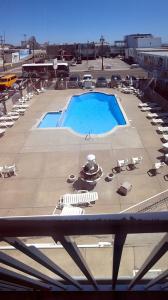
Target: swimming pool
x,y
88,113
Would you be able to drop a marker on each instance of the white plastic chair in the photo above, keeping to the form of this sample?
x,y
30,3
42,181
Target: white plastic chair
x,y
157,166
9,170
136,160
122,163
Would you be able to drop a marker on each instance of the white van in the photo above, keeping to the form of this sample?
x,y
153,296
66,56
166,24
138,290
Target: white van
x,y
87,77
87,81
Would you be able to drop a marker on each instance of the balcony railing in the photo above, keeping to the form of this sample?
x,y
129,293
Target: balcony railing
x,y
23,276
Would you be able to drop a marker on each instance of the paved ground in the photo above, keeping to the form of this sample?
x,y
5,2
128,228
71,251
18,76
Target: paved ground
x,y
108,64
111,66
45,157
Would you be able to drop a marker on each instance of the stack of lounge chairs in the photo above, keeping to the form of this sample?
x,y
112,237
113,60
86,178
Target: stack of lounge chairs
x,y
70,203
9,119
79,199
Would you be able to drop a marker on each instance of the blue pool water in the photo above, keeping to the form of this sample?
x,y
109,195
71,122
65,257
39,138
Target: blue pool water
x,y
50,120
91,112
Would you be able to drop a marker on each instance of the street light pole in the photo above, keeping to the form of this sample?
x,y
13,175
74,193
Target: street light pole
x,y
102,42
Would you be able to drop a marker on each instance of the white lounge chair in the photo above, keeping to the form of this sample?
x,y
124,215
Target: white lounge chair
x,y
157,115
162,129
9,118
2,131
21,111
154,108
43,90
12,113
159,121
30,95
77,199
22,101
122,163
126,90
70,210
165,137
165,145
7,124
146,104
21,106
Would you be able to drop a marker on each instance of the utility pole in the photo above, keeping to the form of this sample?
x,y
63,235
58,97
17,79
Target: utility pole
x,y
102,42
33,50
87,51
25,39
2,41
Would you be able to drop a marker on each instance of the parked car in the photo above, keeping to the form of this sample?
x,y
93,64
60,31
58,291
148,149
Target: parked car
x,y
87,81
73,63
134,66
87,77
101,82
74,81
115,80
79,60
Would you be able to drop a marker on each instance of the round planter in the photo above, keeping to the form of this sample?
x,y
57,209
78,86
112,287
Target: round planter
x,y
71,178
110,176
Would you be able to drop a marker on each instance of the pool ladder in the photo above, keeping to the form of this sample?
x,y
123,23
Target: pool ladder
x,y
88,136
61,119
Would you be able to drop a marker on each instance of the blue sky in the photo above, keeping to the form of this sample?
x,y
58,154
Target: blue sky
x,y
81,21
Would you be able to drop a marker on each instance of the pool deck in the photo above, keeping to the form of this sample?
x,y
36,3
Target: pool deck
x,y
45,157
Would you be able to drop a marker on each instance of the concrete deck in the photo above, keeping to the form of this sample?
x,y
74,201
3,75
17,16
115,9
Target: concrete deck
x,y
45,157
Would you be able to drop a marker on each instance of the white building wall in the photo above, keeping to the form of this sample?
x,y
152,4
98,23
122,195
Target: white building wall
x,y
133,41
154,42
